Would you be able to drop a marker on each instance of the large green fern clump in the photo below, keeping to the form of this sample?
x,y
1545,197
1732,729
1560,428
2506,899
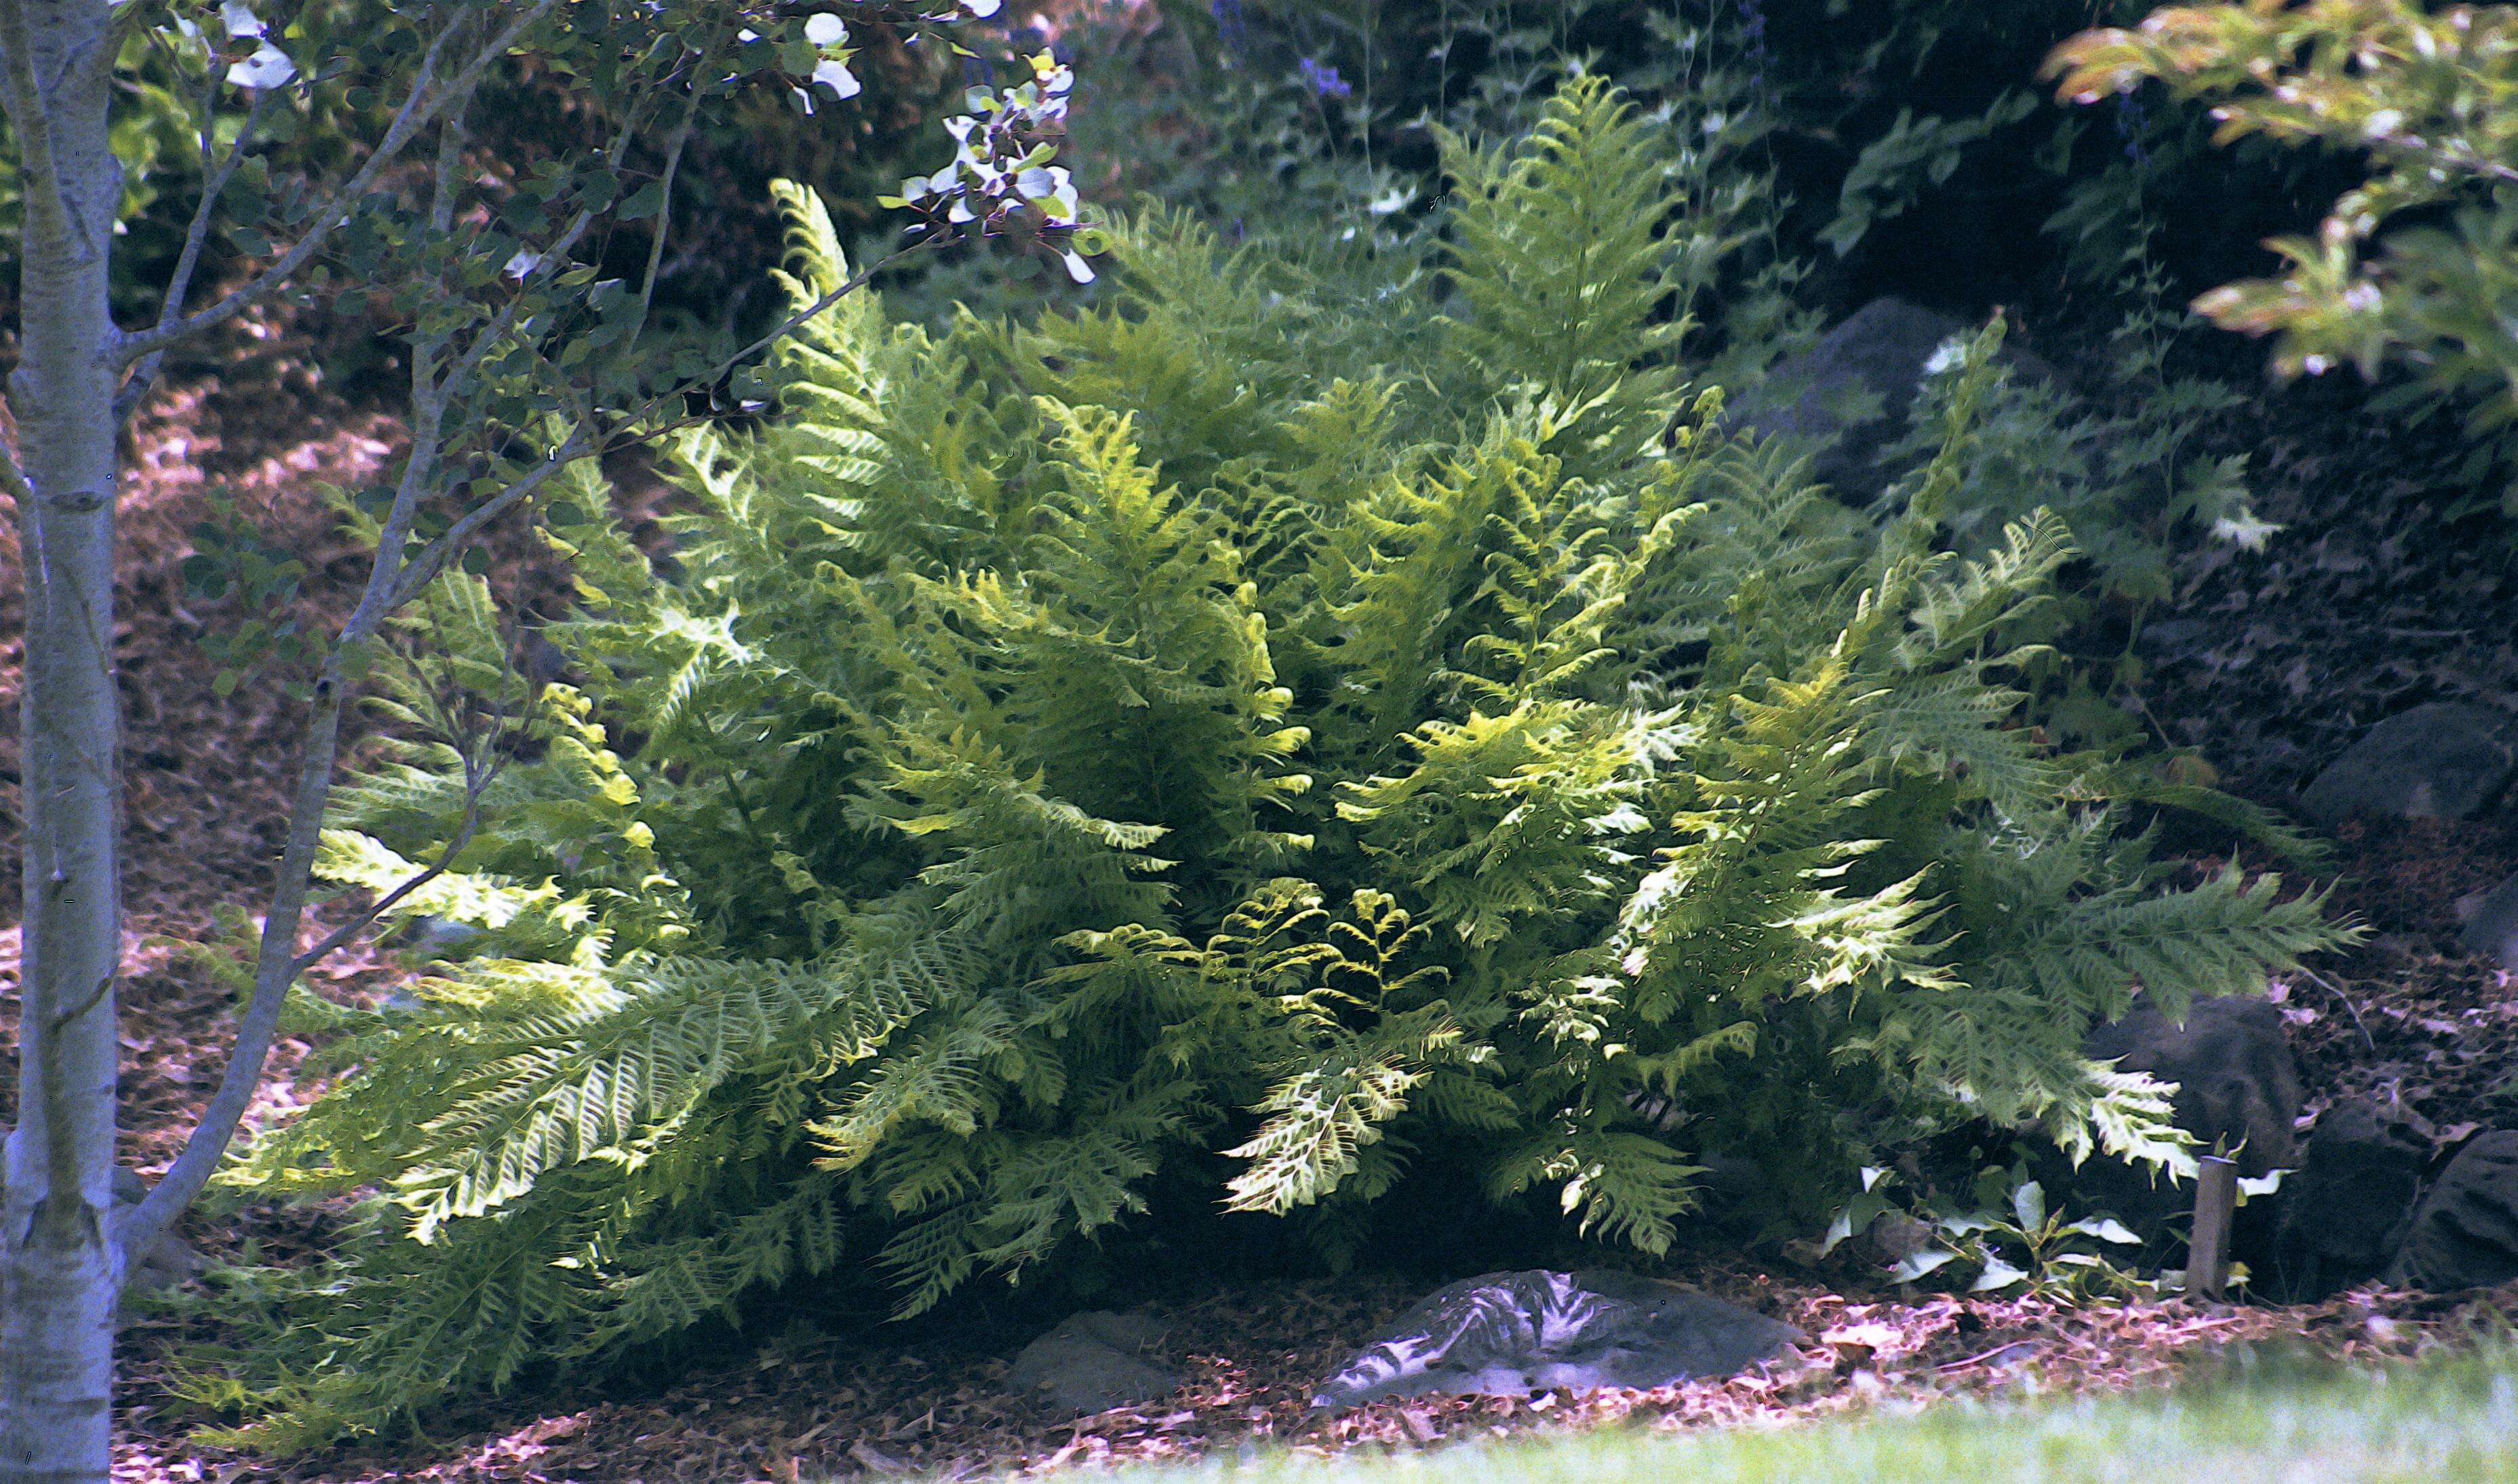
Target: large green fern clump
x,y
1305,719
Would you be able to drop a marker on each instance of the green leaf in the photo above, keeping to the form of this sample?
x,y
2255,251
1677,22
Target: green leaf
x,y
1997,1275
1917,1266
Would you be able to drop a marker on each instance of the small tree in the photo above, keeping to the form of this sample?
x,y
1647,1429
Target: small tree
x,y
525,358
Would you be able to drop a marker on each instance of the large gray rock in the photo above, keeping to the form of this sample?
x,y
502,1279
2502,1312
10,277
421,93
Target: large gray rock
x,y
2464,1234
2237,1090
1512,1334
2491,925
2438,761
1848,395
1095,1362
2238,1084
2344,1211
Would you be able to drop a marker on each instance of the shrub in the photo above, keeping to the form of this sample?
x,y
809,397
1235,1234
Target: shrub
x,y
1274,713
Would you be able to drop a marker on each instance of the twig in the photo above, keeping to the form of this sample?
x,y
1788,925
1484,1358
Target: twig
x,y
323,948
2330,987
215,175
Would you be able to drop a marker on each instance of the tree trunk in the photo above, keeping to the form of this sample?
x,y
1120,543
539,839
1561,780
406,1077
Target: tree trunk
x,y
59,1272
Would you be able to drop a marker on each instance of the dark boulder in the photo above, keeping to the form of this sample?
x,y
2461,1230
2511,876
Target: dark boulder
x,y
1513,1333
2343,1213
2465,1233
1095,1362
2439,761
1848,397
2237,1090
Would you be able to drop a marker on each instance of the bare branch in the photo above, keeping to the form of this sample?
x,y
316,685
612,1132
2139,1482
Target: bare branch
x,y
424,569
665,204
638,416
473,790
215,175
392,582
47,206
426,100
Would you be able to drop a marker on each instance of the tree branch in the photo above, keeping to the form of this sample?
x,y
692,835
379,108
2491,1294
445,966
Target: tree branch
x,y
215,175
422,106
665,204
424,569
46,204
776,332
392,582
473,788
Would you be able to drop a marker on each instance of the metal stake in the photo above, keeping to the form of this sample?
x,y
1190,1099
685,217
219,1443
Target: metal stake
x,y
2216,1202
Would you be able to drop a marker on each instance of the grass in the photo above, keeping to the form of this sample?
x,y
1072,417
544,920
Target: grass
x,y
2439,1422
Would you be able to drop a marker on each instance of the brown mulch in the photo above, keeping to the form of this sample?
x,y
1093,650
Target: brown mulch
x,y
810,1406
2409,1017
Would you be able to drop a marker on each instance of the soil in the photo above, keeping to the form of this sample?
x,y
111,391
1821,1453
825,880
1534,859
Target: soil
x,y
2358,609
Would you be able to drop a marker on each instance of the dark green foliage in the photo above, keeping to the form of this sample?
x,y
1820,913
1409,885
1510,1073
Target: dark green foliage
x,y
1263,723
2412,263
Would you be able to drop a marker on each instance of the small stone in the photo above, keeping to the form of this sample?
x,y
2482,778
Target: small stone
x,y
2491,925
1095,1362
2438,761
1514,1333
2464,1234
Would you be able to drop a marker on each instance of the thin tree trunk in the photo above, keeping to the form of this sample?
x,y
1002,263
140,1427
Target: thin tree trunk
x,y
59,1272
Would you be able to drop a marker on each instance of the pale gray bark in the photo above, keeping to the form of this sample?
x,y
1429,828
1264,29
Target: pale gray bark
x,y
57,1269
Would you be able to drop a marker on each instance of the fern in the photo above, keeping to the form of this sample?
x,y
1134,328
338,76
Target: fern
x,y
1259,743
1567,264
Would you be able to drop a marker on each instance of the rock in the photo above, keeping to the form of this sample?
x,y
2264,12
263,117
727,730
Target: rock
x,y
428,937
2465,1233
1849,393
2237,1090
1095,1362
2491,925
2238,1084
1512,1334
2343,1211
170,1259
2437,761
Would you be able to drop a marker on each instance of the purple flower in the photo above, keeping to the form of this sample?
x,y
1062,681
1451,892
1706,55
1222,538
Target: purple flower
x,y
1231,27
1753,30
2132,122
1323,80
